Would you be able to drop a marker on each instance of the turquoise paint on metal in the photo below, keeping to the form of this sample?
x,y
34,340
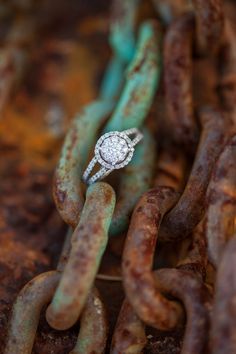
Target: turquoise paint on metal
x,y
142,79
93,327
88,242
26,312
81,137
122,29
135,180
113,79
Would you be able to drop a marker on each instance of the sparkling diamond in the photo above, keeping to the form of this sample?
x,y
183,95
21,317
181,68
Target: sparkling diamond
x,y
114,149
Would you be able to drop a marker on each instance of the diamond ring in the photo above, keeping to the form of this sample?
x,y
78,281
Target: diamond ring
x,y
113,150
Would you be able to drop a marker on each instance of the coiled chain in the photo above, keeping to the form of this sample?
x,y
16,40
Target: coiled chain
x,y
175,201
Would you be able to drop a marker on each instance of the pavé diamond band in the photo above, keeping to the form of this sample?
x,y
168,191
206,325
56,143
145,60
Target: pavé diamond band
x,y
113,150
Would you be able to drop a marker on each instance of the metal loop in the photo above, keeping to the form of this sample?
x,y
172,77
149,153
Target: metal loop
x,y
140,285
221,197
88,243
190,208
26,312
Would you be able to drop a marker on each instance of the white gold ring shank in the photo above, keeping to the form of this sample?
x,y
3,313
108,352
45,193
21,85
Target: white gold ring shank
x,y
113,150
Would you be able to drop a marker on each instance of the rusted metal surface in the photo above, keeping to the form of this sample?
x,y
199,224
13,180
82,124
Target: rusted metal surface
x,y
171,168
185,284
194,295
191,206
178,45
196,260
227,83
139,282
129,334
142,79
26,312
36,294
221,211
135,180
93,326
209,24
68,190
223,316
169,10
88,243
168,286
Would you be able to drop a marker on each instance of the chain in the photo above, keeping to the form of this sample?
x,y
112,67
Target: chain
x,y
189,212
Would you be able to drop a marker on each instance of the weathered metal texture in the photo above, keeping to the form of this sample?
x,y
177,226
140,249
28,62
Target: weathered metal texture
x,y
209,24
178,45
113,79
26,312
223,324
135,180
171,168
190,208
88,243
67,188
186,285
191,291
122,28
142,79
227,84
140,286
129,335
221,210
65,251
122,41
169,10
196,259
93,326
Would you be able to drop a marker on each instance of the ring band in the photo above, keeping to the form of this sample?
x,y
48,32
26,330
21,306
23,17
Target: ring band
x,y
113,150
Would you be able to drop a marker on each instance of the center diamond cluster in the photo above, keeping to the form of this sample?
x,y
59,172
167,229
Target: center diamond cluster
x,y
114,149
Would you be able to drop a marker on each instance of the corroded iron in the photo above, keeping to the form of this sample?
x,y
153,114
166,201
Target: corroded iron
x,y
26,312
227,82
194,295
178,79
209,24
167,285
140,285
68,193
186,284
142,78
171,168
135,180
169,10
223,314
129,335
93,326
88,243
190,208
221,210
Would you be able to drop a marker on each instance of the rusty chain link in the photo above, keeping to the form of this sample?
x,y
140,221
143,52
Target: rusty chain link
x,y
178,194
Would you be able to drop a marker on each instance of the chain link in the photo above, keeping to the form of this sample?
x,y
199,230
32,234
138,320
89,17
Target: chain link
x,y
189,212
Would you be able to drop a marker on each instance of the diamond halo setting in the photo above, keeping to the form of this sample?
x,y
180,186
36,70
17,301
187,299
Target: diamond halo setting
x,y
113,150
